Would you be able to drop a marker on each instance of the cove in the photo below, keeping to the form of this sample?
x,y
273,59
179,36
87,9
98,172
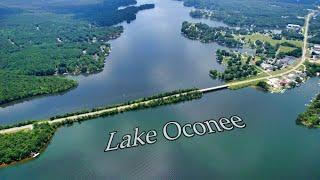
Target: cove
x,y
150,57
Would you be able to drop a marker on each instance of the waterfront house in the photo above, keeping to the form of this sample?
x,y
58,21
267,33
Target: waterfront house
x,y
294,27
316,49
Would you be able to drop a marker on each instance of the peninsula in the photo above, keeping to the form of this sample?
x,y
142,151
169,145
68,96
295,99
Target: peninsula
x,y
45,129
41,45
15,143
26,140
280,60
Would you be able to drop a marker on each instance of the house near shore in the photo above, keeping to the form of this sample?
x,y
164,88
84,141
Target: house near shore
x,y
294,27
274,83
266,66
286,61
316,52
316,49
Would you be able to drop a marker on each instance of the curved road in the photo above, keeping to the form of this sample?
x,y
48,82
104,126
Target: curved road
x,y
294,68
244,82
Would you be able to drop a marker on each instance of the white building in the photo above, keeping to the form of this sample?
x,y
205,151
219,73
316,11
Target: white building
x,y
266,66
316,49
274,82
295,27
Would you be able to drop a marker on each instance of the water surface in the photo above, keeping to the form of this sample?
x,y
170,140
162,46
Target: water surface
x,y
152,56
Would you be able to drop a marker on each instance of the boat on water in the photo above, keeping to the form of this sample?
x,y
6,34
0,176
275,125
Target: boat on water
x,y
35,154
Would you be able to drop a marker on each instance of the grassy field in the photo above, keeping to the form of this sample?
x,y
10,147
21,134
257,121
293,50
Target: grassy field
x,y
244,85
265,38
285,49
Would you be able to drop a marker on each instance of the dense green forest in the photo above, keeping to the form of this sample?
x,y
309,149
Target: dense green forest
x,y
39,41
310,117
237,66
44,3
315,30
292,35
45,44
259,14
312,68
18,146
97,13
37,45
263,85
15,86
206,34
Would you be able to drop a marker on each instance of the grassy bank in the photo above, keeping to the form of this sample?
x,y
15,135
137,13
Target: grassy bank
x,y
145,103
19,146
161,95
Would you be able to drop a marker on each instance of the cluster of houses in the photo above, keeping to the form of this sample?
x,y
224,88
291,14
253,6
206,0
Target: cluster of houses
x,y
294,27
276,64
315,52
203,13
287,81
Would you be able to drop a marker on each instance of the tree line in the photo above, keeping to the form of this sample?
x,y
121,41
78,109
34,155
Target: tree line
x,y
17,146
37,45
160,95
256,15
237,66
310,117
206,34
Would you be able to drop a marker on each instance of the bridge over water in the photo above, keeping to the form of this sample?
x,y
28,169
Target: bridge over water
x,y
216,88
75,117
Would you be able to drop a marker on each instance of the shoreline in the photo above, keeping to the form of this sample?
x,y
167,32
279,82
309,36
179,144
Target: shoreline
x,y
145,103
30,98
142,103
3,165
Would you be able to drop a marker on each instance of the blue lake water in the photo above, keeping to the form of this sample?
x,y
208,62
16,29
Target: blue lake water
x,y
150,57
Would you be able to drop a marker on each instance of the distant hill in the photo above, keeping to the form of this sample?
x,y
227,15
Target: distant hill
x,y
106,13
300,1
41,3
262,14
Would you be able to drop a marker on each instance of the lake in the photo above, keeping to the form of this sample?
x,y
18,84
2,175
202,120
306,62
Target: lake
x,y
150,57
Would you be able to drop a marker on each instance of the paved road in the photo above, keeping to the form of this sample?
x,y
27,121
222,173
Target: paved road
x,y
92,114
16,129
294,68
302,60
